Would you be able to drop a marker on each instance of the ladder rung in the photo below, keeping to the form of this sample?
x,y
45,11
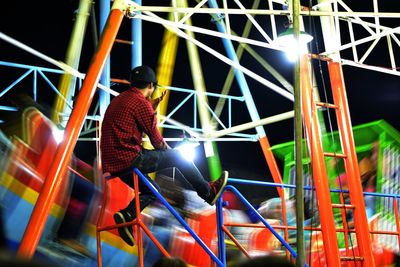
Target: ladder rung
x,y
336,155
114,80
352,258
340,206
124,41
319,57
326,105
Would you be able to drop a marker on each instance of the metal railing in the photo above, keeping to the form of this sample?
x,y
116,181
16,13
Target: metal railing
x,y
44,80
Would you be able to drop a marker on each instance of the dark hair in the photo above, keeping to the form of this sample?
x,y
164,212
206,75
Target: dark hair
x,y
140,84
170,262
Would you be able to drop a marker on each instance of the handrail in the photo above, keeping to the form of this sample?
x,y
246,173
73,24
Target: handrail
x,y
178,217
262,183
248,205
220,260
306,187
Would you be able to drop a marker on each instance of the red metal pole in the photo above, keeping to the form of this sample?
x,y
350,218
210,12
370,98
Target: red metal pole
x,y
345,225
351,163
100,219
396,214
318,167
139,239
277,177
64,152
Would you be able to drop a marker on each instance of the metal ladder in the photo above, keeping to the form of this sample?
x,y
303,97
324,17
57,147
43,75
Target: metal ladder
x,y
319,170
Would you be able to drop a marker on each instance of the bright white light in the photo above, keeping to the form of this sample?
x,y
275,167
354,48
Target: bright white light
x,y
187,150
287,38
293,51
58,134
289,43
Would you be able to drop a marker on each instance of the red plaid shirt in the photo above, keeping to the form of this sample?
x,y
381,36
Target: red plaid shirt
x,y
128,116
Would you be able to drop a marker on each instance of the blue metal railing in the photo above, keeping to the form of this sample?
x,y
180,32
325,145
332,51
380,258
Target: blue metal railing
x,y
50,81
221,245
179,218
221,259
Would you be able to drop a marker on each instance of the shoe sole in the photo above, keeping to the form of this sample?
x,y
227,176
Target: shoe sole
x,y
123,231
220,190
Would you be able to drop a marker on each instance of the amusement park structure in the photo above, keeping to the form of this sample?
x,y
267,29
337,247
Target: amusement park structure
x,y
343,227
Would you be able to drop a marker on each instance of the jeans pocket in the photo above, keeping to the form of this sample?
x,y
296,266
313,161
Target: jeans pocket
x,y
138,161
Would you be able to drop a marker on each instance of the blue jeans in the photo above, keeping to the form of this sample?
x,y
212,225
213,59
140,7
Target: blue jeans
x,y
149,161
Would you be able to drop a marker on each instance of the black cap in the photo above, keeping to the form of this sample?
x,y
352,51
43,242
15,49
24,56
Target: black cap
x,y
143,74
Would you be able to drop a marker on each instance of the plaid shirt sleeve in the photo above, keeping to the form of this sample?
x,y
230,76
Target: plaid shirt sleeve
x,y
146,119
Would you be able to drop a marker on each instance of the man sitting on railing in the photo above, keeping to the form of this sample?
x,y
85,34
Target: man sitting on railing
x,y
130,115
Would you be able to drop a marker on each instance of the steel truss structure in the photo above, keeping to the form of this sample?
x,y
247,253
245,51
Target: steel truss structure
x,y
354,35
350,36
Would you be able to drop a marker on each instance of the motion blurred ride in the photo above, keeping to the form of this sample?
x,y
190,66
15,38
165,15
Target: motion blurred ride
x,y
26,159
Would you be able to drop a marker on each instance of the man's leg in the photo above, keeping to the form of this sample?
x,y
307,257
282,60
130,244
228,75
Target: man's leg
x,y
154,160
128,214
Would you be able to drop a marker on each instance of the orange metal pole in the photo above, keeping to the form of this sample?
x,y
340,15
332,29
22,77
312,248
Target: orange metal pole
x,y
140,225
100,220
234,240
64,152
276,176
351,163
273,167
308,228
318,167
154,239
139,239
396,213
345,225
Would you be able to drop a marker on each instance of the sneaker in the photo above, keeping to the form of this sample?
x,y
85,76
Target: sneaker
x,y
126,233
216,188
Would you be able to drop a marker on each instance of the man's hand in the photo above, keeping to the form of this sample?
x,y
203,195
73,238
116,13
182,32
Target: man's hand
x,y
165,146
156,101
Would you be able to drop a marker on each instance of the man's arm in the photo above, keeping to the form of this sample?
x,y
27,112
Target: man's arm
x,y
147,121
156,101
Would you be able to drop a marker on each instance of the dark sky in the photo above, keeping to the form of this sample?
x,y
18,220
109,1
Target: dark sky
x,y
46,26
